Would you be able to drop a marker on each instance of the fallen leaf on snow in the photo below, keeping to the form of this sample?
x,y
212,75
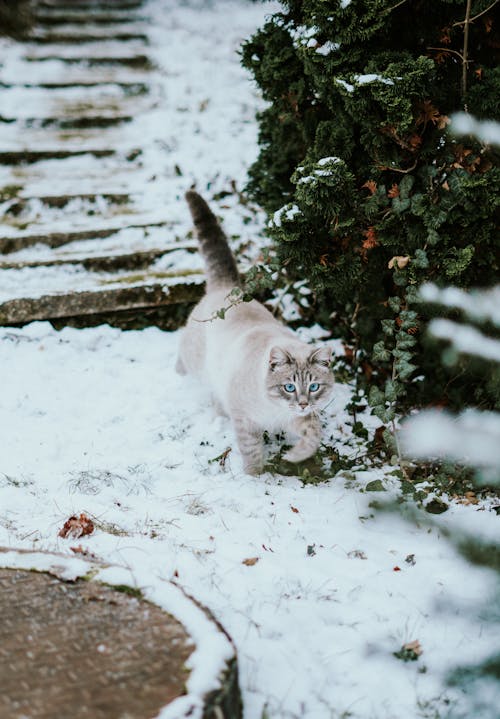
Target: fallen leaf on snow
x,y
77,527
250,561
84,552
410,651
294,509
414,647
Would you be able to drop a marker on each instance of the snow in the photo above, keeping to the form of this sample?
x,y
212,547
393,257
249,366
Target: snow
x,y
478,304
97,421
465,339
287,212
363,80
327,48
371,77
346,85
473,437
327,160
485,130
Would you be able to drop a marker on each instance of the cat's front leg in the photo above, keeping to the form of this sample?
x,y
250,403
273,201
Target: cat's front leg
x,y
309,430
249,438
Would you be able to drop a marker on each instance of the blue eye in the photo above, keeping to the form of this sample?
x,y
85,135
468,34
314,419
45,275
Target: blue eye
x,y
313,387
289,387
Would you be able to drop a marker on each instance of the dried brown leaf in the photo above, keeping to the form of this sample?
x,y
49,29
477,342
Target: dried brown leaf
x,y
414,647
250,561
77,527
371,186
398,261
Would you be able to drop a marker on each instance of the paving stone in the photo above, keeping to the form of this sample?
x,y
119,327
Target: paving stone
x,y
73,646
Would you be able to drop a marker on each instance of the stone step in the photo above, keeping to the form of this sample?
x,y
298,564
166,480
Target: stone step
x,y
45,213
73,134
94,17
19,203
17,71
108,175
128,88
81,51
70,38
134,60
68,123
25,157
110,100
89,5
134,292
17,242
103,263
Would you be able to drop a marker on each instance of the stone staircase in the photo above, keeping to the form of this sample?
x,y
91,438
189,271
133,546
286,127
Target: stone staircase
x,y
83,238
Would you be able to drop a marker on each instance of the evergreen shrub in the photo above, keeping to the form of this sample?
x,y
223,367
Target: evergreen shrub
x,y
369,192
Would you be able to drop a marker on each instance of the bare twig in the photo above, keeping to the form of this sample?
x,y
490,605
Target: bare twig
x,y
465,63
402,2
447,50
483,12
397,169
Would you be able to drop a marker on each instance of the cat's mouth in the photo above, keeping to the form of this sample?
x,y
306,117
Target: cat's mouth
x,y
303,411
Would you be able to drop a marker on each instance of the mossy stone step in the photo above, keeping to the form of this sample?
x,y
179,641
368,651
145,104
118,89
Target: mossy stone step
x,y
57,239
138,61
63,5
70,123
95,17
145,296
25,157
59,201
103,263
54,38
129,88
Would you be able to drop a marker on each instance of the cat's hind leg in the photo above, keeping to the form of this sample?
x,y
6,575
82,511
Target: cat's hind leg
x,y
179,366
250,444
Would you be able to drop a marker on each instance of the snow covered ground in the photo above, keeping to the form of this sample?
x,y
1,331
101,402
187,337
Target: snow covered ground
x,y
97,421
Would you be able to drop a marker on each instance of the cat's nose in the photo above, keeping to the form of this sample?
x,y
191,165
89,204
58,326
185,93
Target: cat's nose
x,y
303,403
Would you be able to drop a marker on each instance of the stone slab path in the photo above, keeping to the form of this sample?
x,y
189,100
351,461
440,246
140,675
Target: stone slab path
x,y
76,647
81,241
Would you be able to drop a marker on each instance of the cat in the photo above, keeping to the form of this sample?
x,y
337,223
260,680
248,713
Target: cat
x,y
259,373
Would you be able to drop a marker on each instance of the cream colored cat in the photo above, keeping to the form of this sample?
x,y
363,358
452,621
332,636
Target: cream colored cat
x,y
260,374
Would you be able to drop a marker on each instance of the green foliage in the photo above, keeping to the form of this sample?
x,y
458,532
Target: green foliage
x,y
369,193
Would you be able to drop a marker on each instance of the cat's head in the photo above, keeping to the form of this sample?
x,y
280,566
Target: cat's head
x,y
300,376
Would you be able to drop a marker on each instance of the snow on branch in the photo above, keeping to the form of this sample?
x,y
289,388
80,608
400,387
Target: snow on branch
x,y
478,305
472,437
465,339
486,131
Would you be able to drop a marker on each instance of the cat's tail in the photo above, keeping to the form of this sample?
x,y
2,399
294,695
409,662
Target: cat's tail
x,y
221,269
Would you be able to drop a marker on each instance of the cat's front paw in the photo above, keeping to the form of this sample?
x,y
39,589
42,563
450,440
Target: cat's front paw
x,y
298,454
253,468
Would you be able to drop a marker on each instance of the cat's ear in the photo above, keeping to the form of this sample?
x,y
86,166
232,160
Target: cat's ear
x,y
278,357
321,355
